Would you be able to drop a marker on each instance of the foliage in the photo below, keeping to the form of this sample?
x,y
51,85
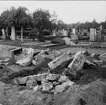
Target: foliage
x,y
16,17
11,17
54,20
103,24
22,18
33,34
61,25
4,18
86,25
41,19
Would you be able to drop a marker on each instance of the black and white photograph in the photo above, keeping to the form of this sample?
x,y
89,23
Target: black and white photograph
x,y
53,52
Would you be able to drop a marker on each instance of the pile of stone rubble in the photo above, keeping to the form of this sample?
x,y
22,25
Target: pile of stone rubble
x,y
46,82
53,77
60,70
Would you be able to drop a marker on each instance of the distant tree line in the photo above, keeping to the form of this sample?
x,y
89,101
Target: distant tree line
x,y
88,25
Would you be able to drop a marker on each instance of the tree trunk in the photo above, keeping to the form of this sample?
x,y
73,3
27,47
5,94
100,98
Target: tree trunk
x,y
22,34
41,35
13,37
6,31
3,34
7,36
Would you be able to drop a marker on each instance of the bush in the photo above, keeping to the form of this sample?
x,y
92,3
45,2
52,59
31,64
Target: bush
x,y
33,34
46,32
50,37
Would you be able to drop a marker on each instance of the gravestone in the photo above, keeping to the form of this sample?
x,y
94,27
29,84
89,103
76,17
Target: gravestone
x,y
92,34
65,33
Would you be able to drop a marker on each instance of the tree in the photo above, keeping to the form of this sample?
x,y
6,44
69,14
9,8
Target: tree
x,y
42,21
2,28
103,24
22,19
42,18
11,22
61,25
94,24
54,20
13,17
4,23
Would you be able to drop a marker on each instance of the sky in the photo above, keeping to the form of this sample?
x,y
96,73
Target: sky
x,y
68,11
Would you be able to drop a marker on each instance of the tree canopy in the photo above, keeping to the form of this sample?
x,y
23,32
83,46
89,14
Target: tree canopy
x,y
4,18
40,19
22,18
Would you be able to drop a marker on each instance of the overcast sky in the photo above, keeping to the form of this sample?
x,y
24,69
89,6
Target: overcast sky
x,y
68,11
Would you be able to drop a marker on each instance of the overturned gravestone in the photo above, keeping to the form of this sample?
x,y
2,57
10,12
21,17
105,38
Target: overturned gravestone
x,y
27,59
61,68
6,57
57,61
68,41
77,63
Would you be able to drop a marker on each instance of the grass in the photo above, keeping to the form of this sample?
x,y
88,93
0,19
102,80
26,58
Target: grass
x,y
94,47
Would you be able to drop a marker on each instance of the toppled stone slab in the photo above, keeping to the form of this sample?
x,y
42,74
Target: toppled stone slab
x,y
6,54
61,68
68,41
6,57
57,61
77,63
27,59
